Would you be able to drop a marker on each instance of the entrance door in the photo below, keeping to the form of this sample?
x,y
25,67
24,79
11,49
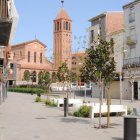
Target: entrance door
x,y
136,90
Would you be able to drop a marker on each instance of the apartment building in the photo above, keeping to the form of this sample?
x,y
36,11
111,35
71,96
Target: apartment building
x,y
132,45
8,24
109,25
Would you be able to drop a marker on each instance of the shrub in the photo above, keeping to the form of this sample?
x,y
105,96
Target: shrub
x,y
47,102
53,105
38,99
27,90
129,111
82,112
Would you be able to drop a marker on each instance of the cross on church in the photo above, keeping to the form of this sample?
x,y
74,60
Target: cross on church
x,y
62,2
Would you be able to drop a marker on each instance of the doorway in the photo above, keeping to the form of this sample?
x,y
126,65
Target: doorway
x,y
136,90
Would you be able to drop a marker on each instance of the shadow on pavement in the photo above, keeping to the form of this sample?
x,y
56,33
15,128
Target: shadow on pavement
x,y
75,120
116,138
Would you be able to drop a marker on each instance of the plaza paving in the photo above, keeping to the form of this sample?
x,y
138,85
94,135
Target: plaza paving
x,y
21,118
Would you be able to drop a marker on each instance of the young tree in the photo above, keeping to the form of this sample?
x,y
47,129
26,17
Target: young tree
x,y
26,76
44,78
63,73
99,65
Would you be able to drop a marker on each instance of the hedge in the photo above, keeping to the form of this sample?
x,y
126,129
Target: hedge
x,y
27,90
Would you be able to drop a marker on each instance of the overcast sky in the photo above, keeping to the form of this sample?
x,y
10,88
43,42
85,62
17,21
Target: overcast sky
x,y
36,18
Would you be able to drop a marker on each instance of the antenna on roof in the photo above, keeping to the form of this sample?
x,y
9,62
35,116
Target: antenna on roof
x,y
35,37
62,2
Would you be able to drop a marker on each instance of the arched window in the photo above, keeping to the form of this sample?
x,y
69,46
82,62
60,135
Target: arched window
x,y
28,56
35,57
69,26
40,57
53,77
14,55
34,77
60,25
57,25
20,53
64,25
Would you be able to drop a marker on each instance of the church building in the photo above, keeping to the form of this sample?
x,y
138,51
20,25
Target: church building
x,y
31,55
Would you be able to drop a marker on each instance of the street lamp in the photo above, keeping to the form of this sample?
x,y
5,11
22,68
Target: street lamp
x,y
121,76
31,75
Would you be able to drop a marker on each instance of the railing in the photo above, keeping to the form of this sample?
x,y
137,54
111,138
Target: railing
x,y
131,40
131,17
5,9
132,60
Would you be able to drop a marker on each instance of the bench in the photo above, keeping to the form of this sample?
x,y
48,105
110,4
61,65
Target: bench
x,y
104,109
77,106
71,101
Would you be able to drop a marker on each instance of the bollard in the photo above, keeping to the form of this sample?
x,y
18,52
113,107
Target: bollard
x,y
66,107
88,101
130,128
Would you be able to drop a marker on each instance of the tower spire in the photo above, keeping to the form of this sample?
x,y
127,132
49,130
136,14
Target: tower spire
x,y
62,2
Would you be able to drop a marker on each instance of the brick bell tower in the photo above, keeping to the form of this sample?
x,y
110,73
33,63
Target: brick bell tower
x,y
62,38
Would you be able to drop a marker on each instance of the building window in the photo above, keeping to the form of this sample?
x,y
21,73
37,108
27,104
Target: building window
x,y
73,68
92,47
80,58
80,63
92,35
57,34
132,38
60,25
34,56
112,49
73,63
20,53
40,57
132,14
74,57
66,34
57,25
14,55
69,26
66,25
28,56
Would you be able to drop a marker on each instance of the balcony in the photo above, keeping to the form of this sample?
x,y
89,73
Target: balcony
x,y
131,40
131,61
131,17
8,21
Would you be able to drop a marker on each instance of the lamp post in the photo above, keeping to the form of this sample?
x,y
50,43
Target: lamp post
x,y
121,76
31,75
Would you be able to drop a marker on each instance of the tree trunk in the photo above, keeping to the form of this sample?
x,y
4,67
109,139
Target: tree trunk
x,y
108,103
102,93
70,90
100,103
132,96
85,92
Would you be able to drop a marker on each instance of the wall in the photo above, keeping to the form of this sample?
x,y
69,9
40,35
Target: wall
x,y
135,23
118,39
